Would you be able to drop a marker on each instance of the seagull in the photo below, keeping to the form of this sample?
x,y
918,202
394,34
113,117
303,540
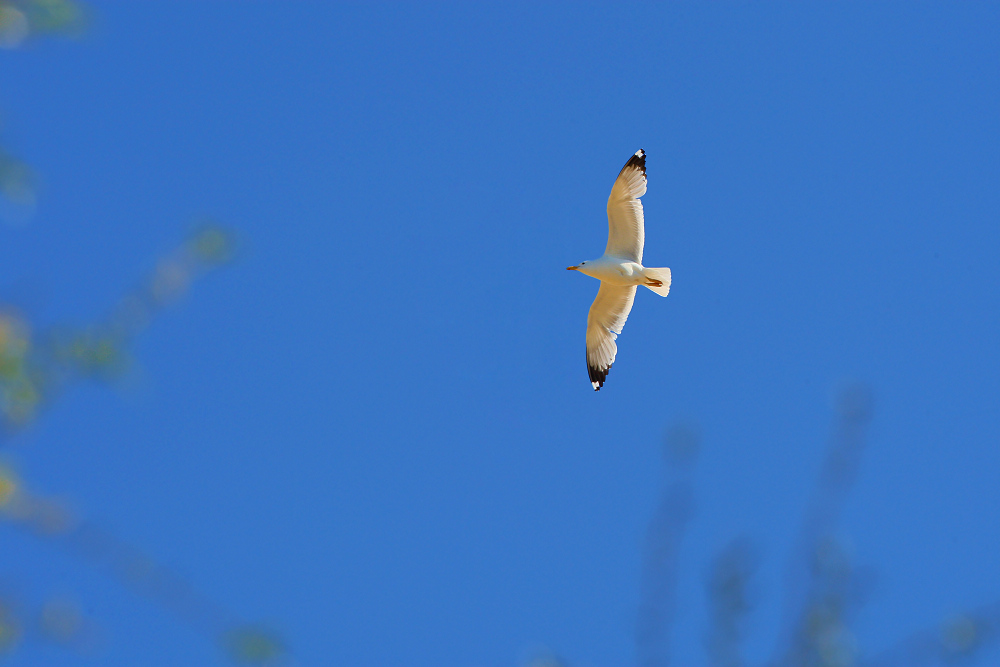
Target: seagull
x,y
620,269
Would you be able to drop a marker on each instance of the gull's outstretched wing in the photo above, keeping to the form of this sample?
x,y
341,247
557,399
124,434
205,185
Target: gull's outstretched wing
x,y
625,226
605,321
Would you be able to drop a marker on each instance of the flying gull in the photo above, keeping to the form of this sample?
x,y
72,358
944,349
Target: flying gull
x,y
620,269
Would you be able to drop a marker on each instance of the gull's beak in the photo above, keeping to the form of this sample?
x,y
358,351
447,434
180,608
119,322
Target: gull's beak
x,y
571,268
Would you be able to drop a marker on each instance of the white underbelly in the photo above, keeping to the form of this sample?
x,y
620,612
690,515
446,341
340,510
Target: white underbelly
x,y
622,275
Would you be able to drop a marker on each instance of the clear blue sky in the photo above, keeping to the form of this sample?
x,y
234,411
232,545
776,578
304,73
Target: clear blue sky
x,y
374,430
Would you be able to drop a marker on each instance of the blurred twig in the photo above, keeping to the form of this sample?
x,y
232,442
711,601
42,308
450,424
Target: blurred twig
x,y
21,20
729,602
959,639
825,589
54,522
663,539
36,367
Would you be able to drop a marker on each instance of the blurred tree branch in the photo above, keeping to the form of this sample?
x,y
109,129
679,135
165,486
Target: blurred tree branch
x,y
22,20
825,588
36,367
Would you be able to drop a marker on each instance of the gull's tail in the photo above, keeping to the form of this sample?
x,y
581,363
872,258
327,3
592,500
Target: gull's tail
x,y
657,280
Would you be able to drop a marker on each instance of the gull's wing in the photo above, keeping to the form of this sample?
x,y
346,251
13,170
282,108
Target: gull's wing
x,y
625,226
605,321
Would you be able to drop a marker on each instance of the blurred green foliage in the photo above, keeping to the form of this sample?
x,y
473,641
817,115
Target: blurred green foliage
x,y
38,366
17,180
35,367
21,20
255,646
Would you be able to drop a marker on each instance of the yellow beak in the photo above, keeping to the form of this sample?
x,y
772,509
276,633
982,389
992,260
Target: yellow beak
x,y
571,268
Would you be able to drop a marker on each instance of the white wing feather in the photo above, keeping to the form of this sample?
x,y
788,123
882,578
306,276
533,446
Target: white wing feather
x,y
625,224
605,321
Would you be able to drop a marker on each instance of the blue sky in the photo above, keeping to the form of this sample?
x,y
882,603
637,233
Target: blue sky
x,y
374,431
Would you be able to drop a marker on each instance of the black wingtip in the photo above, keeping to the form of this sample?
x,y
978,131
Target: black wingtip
x,y
637,161
597,375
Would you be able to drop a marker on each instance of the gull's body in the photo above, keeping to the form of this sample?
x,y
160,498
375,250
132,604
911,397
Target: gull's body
x,y
620,269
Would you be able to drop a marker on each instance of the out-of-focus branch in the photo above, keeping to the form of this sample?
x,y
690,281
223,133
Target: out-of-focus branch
x,y
21,20
37,367
729,602
663,538
17,181
52,521
60,621
825,588
961,639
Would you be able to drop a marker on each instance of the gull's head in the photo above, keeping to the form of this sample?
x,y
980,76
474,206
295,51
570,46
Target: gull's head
x,y
575,268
